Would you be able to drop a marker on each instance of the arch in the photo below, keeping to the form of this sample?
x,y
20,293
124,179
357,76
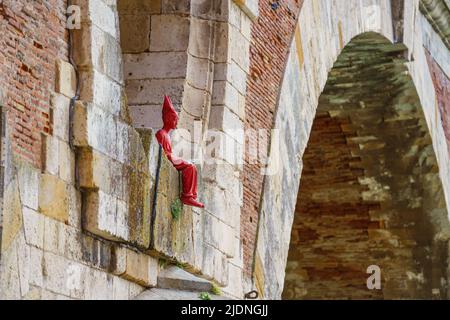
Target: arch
x,y
325,29
370,192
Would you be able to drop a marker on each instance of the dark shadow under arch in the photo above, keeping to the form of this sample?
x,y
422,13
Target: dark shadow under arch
x,y
370,191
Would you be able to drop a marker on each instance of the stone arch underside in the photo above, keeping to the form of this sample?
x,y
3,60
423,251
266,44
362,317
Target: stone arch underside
x,y
370,192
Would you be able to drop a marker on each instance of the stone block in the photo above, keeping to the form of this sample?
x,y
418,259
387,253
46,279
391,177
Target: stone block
x,y
225,94
239,49
152,91
33,224
53,198
66,162
201,32
169,33
155,65
223,119
199,73
51,159
249,7
65,78
106,52
219,235
101,215
136,267
235,287
195,101
147,116
60,105
102,91
176,6
134,33
173,277
137,7
238,77
104,17
222,47
215,265
28,185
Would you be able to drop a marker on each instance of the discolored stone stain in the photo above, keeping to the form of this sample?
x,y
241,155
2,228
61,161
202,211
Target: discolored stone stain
x,y
370,191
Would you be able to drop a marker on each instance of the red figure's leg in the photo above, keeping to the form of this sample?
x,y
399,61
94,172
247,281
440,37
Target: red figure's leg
x,y
189,195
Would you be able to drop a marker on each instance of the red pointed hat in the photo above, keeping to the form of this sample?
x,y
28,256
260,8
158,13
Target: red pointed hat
x,y
168,109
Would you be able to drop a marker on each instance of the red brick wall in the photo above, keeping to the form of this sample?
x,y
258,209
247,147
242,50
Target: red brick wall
x,y
32,37
271,38
442,86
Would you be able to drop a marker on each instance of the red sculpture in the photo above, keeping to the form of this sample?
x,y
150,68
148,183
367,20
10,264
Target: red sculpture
x,y
187,169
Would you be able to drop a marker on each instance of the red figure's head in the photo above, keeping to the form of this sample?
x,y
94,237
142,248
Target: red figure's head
x,y
169,114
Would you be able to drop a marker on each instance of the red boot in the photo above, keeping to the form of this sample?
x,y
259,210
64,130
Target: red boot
x,y
192,202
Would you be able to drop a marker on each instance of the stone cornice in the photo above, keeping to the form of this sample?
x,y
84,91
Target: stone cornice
x,y
438,14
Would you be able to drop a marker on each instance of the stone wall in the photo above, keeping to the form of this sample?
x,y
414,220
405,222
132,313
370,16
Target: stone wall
x,y
324,29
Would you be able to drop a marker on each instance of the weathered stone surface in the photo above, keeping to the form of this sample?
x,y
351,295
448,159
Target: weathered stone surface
x,y
155,65
138,7
169,33
134,33
173,277
65,78
53,198
167,294
136,267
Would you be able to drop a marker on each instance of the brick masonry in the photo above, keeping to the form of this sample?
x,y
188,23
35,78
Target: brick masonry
x,y
33,37
442,86
271,38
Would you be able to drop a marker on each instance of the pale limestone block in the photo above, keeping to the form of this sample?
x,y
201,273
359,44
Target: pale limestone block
x,y
120,289
194,101
155,65
80,125
66,163
237,77
99,286
223,119
123,143
225,94
23,254
249,7
74,201
215,265
101,130
240,49
65,78
135,290
136,267
28,185
200,38
221,148
246,27
169,33
210,10
101,90
106,53
234,287
219,235
60,105
104,17
101,212
9,274
33,224
199,73
222,45
147,116
122,220
221,71
51,163
152,91
36,264
53,198
235,15
221,205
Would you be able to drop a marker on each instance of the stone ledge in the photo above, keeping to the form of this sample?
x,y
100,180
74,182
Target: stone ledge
x,y
176,278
